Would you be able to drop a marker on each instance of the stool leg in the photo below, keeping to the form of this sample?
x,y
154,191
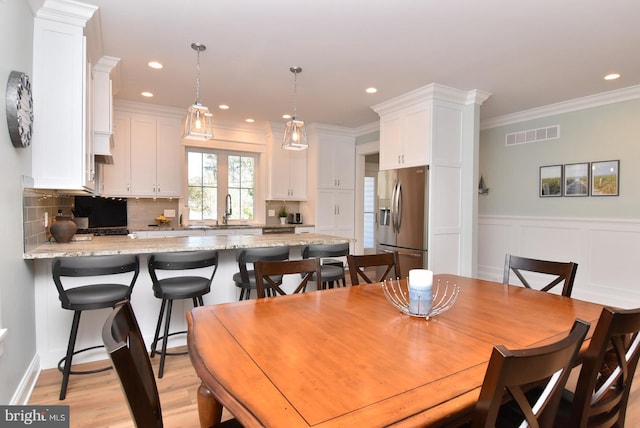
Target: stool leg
x,y
155,336
69,357
163,353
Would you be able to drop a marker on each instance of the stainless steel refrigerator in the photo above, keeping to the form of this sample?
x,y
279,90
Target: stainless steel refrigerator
x,y
402,215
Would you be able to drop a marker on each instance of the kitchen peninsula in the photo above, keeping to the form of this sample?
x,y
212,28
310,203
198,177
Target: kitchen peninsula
x,y
53,323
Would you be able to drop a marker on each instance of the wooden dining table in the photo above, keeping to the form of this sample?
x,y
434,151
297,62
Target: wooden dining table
x,y
346,357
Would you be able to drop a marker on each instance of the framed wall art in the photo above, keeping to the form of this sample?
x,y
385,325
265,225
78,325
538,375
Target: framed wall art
x,y
605,178
550,181
576,179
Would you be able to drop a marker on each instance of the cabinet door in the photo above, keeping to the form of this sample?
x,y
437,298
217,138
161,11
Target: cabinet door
x,y
344,164
169,158
326,211
345,220
279,175
417,124
391,142
116,177
298,175
143,156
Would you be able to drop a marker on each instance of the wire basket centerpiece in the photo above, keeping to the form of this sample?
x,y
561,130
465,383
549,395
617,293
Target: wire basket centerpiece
x,y
444,296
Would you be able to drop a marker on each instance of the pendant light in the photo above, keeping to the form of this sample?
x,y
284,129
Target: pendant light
x,y
198,125
295,134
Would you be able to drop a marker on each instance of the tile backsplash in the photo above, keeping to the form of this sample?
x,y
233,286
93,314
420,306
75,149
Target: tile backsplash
x,y
141,212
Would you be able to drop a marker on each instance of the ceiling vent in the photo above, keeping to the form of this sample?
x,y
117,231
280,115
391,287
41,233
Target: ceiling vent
x,y
533,135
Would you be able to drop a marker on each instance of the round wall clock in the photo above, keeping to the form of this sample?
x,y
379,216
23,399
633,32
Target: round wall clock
x,y
19,106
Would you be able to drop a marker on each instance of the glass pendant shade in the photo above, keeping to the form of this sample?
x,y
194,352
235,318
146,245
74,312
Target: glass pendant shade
x,y
295,136
198,125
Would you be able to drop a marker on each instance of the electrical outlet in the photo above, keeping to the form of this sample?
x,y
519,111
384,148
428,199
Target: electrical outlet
x,y
272,213
169,213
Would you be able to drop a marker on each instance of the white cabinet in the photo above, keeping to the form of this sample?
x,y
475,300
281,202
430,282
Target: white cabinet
x,y
115,178
233,231
62,146
305,229
103,106
336,162
288,172
335,212
405,137
147,157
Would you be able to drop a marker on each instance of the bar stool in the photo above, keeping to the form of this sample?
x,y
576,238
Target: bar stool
x,y
332,270
90,296
170,288
246,278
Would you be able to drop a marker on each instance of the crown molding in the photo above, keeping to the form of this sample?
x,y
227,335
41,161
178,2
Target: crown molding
x,y
66,11
603,98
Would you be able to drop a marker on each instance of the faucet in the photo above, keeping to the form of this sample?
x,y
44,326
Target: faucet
x,y
227,209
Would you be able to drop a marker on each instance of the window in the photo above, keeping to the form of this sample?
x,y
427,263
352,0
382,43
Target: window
x,y
212,175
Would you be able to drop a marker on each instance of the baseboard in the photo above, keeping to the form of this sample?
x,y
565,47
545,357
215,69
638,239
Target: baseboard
x,y
23,393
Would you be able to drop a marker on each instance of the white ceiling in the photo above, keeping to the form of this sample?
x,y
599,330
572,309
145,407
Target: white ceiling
x,y
527,53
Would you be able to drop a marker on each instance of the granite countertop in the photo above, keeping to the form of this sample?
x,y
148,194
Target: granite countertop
x,y
107,245
218,226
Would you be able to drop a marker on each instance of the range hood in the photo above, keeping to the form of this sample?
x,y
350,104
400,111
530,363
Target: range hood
x,y
102,144
106,83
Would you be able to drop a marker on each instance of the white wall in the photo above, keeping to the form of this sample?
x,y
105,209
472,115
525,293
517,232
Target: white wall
x,y
16,288
601,234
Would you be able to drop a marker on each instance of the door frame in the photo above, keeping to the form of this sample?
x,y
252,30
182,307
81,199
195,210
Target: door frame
x,y
362,150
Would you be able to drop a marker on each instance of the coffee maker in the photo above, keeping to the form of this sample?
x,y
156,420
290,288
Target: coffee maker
x,y
294,218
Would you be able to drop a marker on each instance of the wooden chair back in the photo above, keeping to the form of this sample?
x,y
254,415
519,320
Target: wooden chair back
x,y
561,271
123,341
608,367
511,371
267,270
388,265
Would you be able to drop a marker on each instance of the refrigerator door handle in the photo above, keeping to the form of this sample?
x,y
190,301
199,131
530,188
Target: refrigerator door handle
x,y
399,207
392,208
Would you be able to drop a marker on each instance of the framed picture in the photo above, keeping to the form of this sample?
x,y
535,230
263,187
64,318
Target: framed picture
x,y
550,181
605,178
576,179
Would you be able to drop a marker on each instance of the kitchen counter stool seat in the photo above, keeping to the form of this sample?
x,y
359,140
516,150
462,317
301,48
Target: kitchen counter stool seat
x,y
245,279
90,296
331,273
178,287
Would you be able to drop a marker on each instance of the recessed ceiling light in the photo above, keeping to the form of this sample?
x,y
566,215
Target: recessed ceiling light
x,y
146,94
286,116
155,64
249,120
223,107
612,76
371,90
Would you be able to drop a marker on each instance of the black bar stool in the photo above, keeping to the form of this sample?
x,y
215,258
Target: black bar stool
x,y
246,278
91,296
175,287
332,270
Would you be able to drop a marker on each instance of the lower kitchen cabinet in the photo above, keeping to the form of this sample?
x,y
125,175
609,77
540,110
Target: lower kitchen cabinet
x,y
335,212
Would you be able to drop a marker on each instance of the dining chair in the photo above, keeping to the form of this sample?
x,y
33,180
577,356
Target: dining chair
x,y
387,264
604,383
309,270
245,278
510,372
88,283
123,340
171,280
332,270
561,272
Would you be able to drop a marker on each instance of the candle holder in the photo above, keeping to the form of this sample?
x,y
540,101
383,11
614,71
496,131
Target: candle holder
x,y
444,297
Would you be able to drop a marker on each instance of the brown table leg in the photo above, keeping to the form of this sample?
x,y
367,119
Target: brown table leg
x,y
209,409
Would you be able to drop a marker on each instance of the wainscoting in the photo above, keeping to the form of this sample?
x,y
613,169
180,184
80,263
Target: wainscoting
x,y
607,252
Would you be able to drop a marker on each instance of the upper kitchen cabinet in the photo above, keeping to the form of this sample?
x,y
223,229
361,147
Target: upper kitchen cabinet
x,y
336,155
405,133
287,171
106,78
148,156
66,42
